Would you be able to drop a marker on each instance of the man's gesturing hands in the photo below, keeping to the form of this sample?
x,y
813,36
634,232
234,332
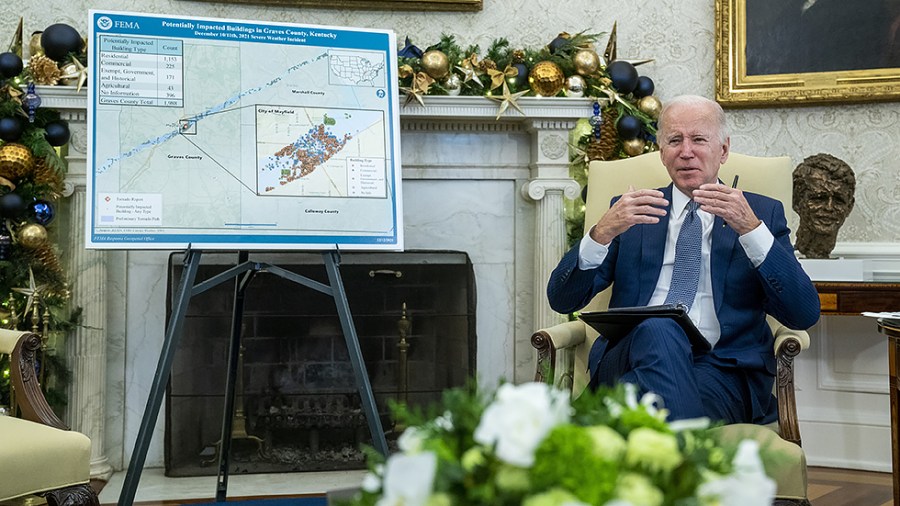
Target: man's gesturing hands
x,y
728,203
634,207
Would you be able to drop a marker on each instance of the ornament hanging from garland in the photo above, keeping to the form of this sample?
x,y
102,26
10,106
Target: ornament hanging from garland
x,y
59,40
11,65
57,132
41,212
546,79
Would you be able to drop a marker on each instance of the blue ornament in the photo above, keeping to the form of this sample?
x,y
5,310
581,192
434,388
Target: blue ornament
x,y
644,88
629,127
31,101
42,212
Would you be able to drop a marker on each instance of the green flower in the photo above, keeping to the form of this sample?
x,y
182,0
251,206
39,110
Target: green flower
x,y
472,458
638,490
652,450
512,479
608,444
567,458
553,497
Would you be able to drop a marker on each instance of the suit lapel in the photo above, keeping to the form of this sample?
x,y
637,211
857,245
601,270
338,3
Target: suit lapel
x,y
653,243
723,239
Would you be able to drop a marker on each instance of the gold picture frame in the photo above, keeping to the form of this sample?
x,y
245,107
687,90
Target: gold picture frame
x,y
788,73
383,5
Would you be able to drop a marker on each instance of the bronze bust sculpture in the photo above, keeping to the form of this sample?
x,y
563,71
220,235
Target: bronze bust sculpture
x,y
824,188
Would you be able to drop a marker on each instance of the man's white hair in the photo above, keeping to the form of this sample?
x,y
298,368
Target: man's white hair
x,y
697,100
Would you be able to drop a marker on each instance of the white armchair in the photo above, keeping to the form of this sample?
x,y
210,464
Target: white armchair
x,y
564,348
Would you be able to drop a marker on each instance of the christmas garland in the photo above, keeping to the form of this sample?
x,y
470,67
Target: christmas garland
x,y
33,286
622,122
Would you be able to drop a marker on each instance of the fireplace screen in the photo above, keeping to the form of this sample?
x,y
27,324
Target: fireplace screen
x,y
297,407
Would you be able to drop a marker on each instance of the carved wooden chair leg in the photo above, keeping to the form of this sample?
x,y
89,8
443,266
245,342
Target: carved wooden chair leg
x,y
76,495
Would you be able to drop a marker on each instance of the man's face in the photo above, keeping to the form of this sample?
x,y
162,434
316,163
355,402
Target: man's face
x,y
825,206
690,147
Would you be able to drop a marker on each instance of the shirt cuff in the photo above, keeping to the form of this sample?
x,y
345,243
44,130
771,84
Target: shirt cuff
x,y
590,253
757,243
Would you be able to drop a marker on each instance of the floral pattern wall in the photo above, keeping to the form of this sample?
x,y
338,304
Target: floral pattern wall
x,y
678,34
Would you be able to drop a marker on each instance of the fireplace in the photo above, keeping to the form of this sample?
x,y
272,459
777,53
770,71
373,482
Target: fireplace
x,y
297,407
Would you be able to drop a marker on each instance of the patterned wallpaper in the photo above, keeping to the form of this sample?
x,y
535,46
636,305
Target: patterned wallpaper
x,y
678,34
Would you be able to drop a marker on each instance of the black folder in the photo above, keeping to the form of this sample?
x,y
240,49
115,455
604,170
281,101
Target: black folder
x,y
616,323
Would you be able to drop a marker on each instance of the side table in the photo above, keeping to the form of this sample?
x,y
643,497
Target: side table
x,y
891,328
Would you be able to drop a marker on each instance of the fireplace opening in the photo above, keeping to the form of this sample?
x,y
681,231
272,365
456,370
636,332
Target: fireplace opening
x,y
297,407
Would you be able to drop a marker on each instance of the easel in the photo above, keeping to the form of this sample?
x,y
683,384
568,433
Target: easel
x,y
187,289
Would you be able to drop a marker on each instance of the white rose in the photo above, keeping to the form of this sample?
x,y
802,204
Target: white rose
x,y
748,485
408,479
520,418
411,441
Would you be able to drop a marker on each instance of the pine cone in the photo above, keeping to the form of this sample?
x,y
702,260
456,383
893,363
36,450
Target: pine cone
x,y
45,175
608,144
49,261
44,70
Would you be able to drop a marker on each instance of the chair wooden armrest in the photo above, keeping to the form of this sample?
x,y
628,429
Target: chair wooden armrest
x,y
548,341
22,348
788,344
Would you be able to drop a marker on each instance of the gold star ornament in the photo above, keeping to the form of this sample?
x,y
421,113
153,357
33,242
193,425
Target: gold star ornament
x,y
420,84
32,291
507,99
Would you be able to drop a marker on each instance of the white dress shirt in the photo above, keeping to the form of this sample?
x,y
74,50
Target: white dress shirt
x,y
756,244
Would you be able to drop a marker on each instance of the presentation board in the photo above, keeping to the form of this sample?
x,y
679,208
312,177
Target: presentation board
x,y
241,135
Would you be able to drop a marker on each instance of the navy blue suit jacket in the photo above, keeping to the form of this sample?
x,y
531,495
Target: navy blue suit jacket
x,y
742,294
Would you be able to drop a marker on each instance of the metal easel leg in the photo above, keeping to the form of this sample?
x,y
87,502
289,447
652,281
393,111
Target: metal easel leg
x,y
356,358
163,369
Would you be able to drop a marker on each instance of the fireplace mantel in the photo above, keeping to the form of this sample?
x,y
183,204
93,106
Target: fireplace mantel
x,y
492,187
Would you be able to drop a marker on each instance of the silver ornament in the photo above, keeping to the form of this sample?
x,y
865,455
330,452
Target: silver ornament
x,y
453,85
575,86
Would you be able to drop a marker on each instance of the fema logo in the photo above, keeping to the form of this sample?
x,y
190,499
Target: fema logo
x,y
104,23
380,93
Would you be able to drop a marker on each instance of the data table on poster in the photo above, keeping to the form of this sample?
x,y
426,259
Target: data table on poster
x,y
141,71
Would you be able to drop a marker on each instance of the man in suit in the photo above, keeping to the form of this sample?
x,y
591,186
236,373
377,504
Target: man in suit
x,y
736,262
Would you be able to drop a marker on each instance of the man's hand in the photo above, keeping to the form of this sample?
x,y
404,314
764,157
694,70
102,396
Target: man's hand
x,y
634,207
729,204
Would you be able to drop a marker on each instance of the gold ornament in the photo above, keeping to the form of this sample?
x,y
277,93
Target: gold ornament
x,y
651,106
43,70
633,147
575,86
487,64
34,45
420,85
435,63
32,291
16,161
33,236
507,99
7,183
546,79
73,74
587,62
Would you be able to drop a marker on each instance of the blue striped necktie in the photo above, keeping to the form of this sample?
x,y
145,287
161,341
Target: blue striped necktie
x,y
686,272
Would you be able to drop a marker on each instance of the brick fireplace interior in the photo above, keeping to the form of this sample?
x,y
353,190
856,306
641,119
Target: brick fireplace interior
x,y
297,407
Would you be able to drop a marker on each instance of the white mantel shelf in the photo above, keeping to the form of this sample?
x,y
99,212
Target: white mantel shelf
x,y
468,107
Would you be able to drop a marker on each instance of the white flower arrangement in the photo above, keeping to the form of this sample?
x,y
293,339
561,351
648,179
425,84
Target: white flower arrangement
x,y
531,446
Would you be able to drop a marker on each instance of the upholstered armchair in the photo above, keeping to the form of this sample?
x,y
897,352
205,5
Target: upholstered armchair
x,y
38,454
564,348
